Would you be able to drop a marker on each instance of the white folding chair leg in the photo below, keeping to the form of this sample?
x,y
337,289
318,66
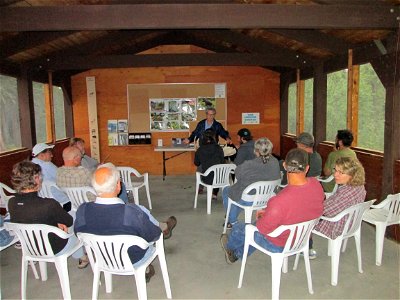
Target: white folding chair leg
x,y
96,283
379,241
308,271
24,275
164,271
243,266
209,198
277,264
247,215
197,193
108,281
344,245
35,273
285,265
335,257
228,210
296,261
357,237
43,270
62,269
148,195
136,196
141,284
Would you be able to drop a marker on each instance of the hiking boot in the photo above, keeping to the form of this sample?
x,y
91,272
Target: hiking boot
x,y
229,255
149,273
171,223
312,254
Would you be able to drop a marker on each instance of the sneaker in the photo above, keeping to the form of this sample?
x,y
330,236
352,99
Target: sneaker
x,y
312,254
83,262
229,255
149,273
201,189
171,223
214,197
18,245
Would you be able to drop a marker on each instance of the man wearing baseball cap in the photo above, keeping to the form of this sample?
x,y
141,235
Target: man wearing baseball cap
x,y
305,141
246,149
42,155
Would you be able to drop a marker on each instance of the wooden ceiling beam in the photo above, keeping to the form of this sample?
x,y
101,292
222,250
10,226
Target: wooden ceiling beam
x,y
197,16
27,40
315,39
167,60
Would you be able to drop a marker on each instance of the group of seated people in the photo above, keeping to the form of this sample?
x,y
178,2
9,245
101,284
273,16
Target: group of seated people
x,y
109,212
302,197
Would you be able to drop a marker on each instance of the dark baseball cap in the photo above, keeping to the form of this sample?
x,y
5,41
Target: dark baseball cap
x,y
296,160
244,133
305,138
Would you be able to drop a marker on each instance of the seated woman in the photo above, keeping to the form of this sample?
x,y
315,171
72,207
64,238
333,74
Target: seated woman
x,y
264,167
350,176
209,154
27,207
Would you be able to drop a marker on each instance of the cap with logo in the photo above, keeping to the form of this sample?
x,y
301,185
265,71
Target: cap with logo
x,y
40,148
296,160
244,133
305,138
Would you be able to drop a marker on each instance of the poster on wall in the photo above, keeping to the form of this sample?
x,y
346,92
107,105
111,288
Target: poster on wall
x,y
204,102
250,118
112,128
171,114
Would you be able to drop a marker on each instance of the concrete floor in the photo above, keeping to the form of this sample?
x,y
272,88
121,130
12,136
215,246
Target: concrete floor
x,y
197,266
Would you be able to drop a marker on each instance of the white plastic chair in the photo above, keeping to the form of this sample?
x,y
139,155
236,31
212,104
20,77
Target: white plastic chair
x,y
382,215
134,186
111,257
78,195
222,176
328,179
352,227
297,242
3,196
45,191
262,192
42,252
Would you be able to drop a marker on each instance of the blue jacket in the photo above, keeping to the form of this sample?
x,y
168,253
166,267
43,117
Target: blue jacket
x,y
201,127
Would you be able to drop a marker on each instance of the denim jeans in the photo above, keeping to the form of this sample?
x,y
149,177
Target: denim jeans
x,y
235,210
123,194
237,237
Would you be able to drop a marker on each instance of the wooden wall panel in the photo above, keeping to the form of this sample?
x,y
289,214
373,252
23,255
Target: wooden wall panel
x,y
249,89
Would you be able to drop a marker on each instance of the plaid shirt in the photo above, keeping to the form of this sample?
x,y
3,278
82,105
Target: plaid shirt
x,y
345,197
74,177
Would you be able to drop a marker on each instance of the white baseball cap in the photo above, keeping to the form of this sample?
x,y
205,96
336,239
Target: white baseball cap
x,y
40,148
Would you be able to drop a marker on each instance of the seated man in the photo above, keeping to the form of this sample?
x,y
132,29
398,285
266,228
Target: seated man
x,y
108,215
301,200
28,207
72,174
42,155
305,141
246,149
87,162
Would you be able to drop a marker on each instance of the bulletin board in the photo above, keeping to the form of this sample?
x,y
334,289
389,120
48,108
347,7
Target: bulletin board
x,y
139,95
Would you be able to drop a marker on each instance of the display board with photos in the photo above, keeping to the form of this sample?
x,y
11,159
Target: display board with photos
x,y
117,132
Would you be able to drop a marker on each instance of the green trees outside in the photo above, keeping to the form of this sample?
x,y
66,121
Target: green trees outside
x,y
371,110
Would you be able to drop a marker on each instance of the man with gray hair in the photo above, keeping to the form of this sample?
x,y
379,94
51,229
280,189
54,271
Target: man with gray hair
x,y
109,215
301,200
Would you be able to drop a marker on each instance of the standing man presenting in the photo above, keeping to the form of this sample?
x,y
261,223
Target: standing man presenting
x,y
207,123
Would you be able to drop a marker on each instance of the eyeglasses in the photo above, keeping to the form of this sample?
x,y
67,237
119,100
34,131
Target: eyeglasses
x,y
210,114
338,171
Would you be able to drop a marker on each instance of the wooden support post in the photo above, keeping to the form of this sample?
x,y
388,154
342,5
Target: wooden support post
x,y
49,104
353,83
299,104
319,103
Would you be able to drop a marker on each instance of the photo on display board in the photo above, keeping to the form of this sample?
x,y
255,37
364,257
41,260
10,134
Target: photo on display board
x,y
122,125
204,102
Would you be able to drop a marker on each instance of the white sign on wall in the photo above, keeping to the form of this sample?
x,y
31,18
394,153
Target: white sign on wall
x,y
250,118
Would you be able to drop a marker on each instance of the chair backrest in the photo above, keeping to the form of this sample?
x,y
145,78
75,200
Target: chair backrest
x,y
299,235
34,238
126,173
328,179
260,192
353,216
393,208
78,195
111,251
3,196
45,191
222,174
